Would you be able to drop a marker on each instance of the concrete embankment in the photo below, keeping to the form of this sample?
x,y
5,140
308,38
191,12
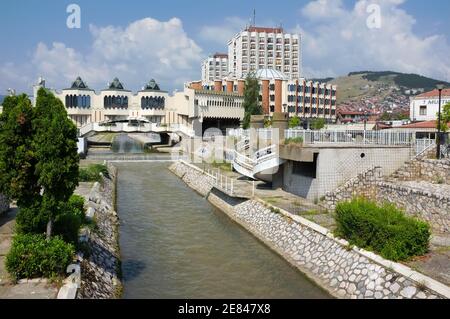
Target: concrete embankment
x,y
343,270
101,267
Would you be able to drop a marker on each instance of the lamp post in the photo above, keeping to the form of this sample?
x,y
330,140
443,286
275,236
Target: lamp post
x,y
440,87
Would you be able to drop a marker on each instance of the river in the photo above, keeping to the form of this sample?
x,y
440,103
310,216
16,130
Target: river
x,y
175,244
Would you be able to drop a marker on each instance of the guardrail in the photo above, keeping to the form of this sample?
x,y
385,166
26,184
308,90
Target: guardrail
x,y
220,181
354,137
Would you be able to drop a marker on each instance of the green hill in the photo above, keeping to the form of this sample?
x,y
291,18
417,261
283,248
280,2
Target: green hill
x,y
364,84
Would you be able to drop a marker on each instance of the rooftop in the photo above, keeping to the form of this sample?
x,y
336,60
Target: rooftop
x,y
220,55
425,124
434,94
264,29
270,74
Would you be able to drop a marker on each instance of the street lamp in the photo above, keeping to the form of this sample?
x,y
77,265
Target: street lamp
x,y
440,87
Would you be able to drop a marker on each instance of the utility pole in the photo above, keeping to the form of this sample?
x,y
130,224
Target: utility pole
x,y
254,17
440,87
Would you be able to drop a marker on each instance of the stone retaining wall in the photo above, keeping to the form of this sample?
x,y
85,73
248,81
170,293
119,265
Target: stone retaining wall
x,y
429,170
101,270
193,177
344,271
430,205
4,204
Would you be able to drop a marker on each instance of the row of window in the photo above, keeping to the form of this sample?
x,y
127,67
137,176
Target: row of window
x,y
308,110
226,102
270,40
313,90
83,101
152,102
115,102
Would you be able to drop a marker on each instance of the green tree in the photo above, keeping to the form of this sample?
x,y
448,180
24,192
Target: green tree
x,y
445,117
318,123
55,144
251,103
17,157
294,121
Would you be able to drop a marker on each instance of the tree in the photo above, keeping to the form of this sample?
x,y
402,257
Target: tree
x,y
445,117
294,122
18,160
55,144
318,123
251,96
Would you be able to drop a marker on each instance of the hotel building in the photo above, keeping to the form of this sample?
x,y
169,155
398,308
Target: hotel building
x,y
215,67
279,93
265,48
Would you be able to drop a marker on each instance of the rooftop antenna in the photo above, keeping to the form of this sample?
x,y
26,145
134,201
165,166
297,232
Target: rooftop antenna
x,y
254,17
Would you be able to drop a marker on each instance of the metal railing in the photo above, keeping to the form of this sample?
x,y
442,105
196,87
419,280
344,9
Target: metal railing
x,y
354,137
220,181
422,145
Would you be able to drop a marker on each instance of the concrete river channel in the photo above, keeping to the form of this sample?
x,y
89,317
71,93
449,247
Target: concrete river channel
x,y
175,244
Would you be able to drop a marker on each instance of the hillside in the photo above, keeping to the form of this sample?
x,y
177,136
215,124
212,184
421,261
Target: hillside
x,y
380,92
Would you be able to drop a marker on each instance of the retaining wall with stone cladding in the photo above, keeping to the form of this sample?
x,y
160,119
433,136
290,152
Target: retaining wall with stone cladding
x,y
428,170
4,204
430,203
344,271
100,271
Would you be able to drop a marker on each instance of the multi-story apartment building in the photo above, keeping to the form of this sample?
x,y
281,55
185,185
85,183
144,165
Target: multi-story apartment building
x,y
215,67
279,93
265,48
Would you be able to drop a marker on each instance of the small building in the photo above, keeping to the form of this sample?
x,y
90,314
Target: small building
x,y
425,106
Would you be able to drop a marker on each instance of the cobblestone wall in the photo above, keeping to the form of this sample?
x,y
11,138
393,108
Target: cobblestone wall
x,y
100,271
193,177
4,204
429,202
346,272
429,170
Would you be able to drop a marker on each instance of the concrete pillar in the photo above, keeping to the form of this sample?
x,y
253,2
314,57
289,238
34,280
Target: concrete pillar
x,y
280,122
278,95
217,86
230,86
265,97
241,87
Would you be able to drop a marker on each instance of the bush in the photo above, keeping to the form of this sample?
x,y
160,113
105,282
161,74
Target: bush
x,y
69,221
293,140
385,230
32,256
92,173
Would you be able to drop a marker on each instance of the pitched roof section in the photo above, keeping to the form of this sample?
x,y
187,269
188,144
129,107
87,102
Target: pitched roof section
x,y
270,74
79,84
152,86
116,85
433,94
425,124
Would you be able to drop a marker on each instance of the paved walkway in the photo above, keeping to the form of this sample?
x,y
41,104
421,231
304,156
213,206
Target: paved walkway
x,y
9,290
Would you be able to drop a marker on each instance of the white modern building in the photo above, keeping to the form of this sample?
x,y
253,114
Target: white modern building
x,y
425,106
215,67
265,48
194,109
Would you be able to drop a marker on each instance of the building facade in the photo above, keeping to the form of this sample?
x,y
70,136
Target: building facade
x,y
425,106
265,48
215,67
194,109
279,93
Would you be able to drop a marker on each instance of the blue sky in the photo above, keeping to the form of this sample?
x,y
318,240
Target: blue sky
x,y
414,37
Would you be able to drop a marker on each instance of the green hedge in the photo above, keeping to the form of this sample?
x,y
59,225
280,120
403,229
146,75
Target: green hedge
x,y
383,229
32,256
69,221
92,173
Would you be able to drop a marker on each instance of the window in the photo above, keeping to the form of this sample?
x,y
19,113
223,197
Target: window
x,y
423,110
307,169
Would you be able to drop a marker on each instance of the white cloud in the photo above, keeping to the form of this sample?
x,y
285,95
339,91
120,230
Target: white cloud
x,y
222,33
145,49
338,41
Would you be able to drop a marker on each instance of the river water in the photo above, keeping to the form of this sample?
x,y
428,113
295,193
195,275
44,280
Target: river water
x,y
174,244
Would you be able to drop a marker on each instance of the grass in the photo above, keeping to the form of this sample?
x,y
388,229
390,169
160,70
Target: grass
x,y
293,140
91,173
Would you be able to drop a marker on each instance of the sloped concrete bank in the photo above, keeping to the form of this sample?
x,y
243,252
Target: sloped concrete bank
x,y
343,270
101,267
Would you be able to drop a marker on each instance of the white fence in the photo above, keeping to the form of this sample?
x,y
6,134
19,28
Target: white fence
x,y
354,137
220,181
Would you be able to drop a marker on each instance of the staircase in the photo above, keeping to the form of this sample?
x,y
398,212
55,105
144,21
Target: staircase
x,y
261,165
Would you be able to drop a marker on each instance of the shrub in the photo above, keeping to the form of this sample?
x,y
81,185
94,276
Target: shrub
x,y
69,221
32,256
92,173
293,140
385,230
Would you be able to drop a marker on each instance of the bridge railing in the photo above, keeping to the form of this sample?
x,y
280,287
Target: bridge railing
x,y
354,137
